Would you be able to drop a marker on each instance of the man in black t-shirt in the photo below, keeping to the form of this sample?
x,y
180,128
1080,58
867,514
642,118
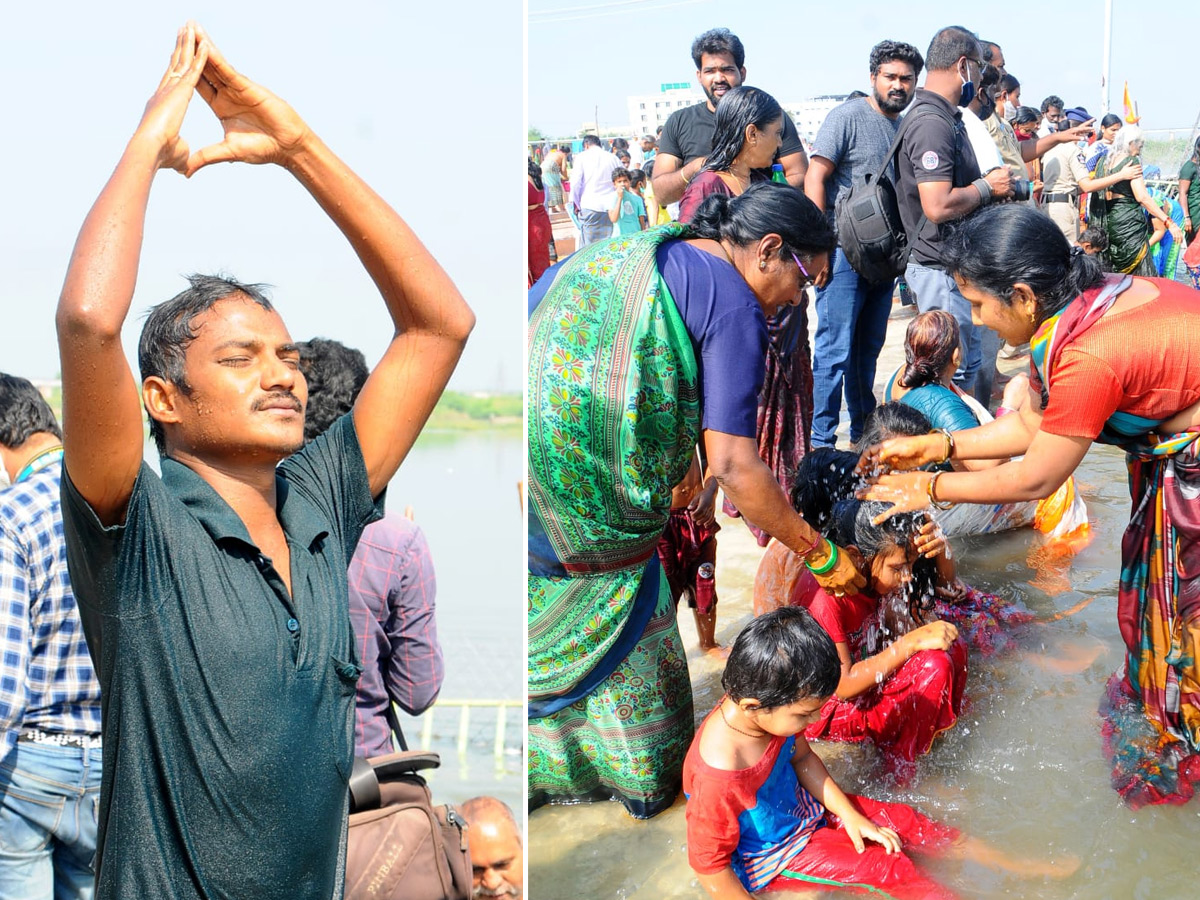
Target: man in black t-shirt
x,y
687,137
938,180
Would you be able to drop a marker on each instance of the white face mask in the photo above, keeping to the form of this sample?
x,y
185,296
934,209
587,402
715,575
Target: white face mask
x,y
1010,112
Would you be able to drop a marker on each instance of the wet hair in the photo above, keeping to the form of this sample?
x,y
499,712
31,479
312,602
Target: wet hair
x,y
620,172
23,412
1096,237
894,51
949,46
929,345
590,140
335,374
1122,145
1026,115
168,332
1052,102
535,172
824,477
889,420
739,108
1110,120
782,657
765,208
852,527
718,40
1008,83
1002,245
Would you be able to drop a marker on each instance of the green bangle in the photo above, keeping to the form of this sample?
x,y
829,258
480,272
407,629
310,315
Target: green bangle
x,y
829,563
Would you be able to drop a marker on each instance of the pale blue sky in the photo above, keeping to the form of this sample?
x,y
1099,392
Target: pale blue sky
x,y
422,100
796,51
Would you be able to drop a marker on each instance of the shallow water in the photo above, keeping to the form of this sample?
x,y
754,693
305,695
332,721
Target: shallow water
x,y
1023,769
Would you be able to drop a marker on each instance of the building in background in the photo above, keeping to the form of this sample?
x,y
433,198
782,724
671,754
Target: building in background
x,y
648,111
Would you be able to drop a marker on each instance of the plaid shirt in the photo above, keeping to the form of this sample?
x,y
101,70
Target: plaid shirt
x,y
392,592
46,676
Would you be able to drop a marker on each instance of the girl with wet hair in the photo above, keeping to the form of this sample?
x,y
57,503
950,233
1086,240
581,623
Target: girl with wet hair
x,y
1114,361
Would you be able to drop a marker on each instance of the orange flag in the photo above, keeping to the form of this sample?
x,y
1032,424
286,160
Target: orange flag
x,y
1131,115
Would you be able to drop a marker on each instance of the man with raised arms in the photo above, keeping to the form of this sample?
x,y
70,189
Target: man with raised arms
x,y
214,597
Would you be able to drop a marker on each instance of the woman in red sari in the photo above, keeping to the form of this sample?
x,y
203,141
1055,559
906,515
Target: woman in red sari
x,y
1114,359
540,231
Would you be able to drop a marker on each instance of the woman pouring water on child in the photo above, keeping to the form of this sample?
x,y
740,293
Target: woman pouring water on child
x,y
1115,360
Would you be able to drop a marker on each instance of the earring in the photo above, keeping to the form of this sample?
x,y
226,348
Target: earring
x,y
762,264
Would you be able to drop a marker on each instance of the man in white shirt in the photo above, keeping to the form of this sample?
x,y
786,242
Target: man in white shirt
x,y
592,191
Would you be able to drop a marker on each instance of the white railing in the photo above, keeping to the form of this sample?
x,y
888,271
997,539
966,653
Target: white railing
x,y
500,734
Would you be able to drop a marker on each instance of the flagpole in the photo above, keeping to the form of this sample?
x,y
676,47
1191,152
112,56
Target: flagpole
x,y
1107,58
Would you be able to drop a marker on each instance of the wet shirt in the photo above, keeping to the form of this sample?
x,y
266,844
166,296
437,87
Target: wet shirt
x,y
931,150
754,820
688,134
228,704
843,618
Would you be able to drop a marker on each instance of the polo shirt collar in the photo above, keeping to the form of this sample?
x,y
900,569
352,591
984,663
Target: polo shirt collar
x,y
302,522
927,96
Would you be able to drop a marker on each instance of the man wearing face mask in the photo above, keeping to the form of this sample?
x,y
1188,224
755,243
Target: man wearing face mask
x,y
1052,114
687,137
938,180
851,312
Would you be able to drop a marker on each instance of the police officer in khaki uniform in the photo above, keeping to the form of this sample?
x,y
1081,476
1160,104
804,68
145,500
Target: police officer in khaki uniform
x,y
1065,176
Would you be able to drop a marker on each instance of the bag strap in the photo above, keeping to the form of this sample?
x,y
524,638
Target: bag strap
x,y
394,722
890,159
364,786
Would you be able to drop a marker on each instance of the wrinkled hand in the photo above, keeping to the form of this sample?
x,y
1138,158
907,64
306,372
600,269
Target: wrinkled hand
x,y
259,127
906,491
859,827
933,636
902,454
704,505
844,578
930,540
165,111
1129,173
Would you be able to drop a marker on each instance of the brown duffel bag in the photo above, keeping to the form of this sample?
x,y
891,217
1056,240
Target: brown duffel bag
x,y
400,845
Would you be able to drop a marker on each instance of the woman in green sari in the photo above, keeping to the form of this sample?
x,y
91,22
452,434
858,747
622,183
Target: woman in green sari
x,y
1121,210
639,347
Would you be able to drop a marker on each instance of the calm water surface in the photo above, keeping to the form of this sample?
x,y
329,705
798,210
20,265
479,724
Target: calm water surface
x,y
1023,768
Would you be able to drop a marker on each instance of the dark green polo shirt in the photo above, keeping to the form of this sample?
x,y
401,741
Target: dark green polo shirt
x,y
228,705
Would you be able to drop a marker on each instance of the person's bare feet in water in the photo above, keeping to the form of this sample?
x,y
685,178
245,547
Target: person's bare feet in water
x,y
978,851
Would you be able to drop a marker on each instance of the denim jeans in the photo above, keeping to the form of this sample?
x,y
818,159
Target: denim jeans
x,y
935,289
989,348
852,317
50,796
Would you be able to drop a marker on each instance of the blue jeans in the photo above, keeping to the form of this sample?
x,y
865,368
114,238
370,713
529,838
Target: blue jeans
x,y
989,348
935,289
852,317
48,808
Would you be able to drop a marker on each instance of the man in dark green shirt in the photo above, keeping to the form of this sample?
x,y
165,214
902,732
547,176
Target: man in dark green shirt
x,y
214,597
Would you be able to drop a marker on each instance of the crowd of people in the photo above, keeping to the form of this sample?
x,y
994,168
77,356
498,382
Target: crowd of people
x,y
671,362
194,659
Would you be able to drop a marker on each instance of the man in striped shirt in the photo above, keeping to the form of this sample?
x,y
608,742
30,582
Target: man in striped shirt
x,y
49,695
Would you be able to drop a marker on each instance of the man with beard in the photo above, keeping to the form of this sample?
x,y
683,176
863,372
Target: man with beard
x,y
496,857
687,137
851,312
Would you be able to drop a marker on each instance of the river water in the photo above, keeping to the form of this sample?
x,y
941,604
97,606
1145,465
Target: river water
x,y
1023,769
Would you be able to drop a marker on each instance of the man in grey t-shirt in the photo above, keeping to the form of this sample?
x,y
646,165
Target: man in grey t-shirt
x,y
852,313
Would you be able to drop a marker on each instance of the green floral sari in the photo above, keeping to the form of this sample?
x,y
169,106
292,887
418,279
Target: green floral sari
x,y
614,413
1124,221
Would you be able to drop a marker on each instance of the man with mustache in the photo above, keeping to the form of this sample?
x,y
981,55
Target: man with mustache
x,y
213,597
496,851
852,313
687,136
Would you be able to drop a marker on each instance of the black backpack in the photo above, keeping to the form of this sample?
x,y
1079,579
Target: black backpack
x,y
870,232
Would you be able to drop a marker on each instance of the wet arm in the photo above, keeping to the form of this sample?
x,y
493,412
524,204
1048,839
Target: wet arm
x,y
858,678
1050,460
430,317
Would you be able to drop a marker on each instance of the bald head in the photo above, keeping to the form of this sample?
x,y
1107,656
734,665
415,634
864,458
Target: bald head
x,y
495,840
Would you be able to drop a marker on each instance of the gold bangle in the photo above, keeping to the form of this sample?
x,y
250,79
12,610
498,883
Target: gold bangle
x,y
684,177
949,443
929,490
